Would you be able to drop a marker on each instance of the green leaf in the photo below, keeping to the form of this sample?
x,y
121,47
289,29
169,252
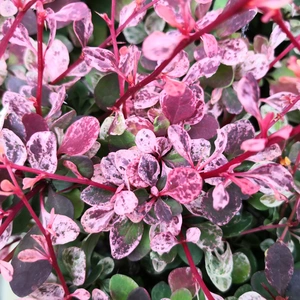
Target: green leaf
x,y
154,23
258,281
254,200
160,290
143,248
211,236
219,4
182,294
120,287
84,165
78,204
107,265
88,245
241,268
196,253
136,34
221,79
175,206
123,141
107,91
242,290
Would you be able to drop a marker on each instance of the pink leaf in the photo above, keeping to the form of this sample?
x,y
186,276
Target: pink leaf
x,y
41,149
31,255
148,169
130,9
163,242
12,146
162,146
268,154
82,294
129,59
72,12
81,70
254,145
56,60
6,270
210,45
193,235
83,29
145,98
159,46
80,136
56,100
200,149
30,182
96,219
247,187
232,51
49,291
220,197
4,237
123,158
99,295
248,94
133,176
7,8
101,59
181,141
110,171
183,184
52,26
125,202
145,140
66,230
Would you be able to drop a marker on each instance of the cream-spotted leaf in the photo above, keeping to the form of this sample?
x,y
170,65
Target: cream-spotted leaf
x,y
163,242
145,140
148,169
125,202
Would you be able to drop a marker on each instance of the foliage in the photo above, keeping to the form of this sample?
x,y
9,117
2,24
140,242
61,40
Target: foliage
x,y
150,149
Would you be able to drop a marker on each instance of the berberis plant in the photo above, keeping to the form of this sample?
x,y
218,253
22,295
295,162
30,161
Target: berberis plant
x,y
150,149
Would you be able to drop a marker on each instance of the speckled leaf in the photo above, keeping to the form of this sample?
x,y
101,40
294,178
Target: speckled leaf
x,y
101,59
231,101
145,140
154,23
72,12
48,291
34,123
220,197
279,266
133,176
125,202
94,196
210,45
99,295
124,238
148,169
120,286
211,236
4,237
181,141
130,9
145,98
80,136
162,211
163,242
82,294
182,278
109,169
183,184
41,149
251,296
241,268
219,265
14,148
96,219
75,262
66,230
83,29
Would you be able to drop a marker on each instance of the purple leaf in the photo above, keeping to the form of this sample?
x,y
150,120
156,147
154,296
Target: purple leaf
x,y
41,149
14,148
162,211
14,123
72,12
66,230
4,237
48,291
232,51
75,261
163,242
99,295
183,278
109,169
124,238
96,219
279,266
215,164
94,196
148,169
206,128
181,141
34,123
83,29
220,197
183,184
237,133
125,202
193,235
231,102
248,94
145,140
17,103
101,59
178,108
159,45
80,136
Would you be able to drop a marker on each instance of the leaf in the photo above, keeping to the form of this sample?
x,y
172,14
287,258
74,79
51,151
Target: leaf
x,y
41,149
279,266
109,169
231,102
219,266
34,123
135,35
94,196
101,59
107,91
31,255
211,236
220,197
221,79
196,253
125,202
6,270
145,140
49,291
159,45
75,261
180,141
154,23
241,268
251,296
120,287
4,237
83,165
99,295
293,290
124,238
80,136
259,281
205,129
193,235
83,29
96,219
182,278
81,294
139,294
8,9
128,10
182,294
162,211
183,184
12,146
72,12
160,290
163,242
148,169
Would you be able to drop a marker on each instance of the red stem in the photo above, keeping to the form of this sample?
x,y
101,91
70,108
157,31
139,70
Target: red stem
x,y
17,21
262,228
40,56
194,270
19,193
